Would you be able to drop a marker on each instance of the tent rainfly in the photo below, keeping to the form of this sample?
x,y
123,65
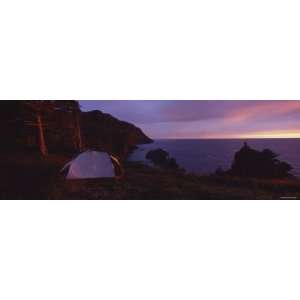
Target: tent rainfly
x,y
93,164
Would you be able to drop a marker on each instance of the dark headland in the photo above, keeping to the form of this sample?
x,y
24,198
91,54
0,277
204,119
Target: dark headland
x,y
39,137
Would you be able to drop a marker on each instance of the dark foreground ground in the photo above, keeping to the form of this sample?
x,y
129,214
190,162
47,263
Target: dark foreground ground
x,y
31,177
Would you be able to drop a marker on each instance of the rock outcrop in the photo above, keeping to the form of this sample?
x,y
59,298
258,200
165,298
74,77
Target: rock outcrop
x,y
104,132
252,163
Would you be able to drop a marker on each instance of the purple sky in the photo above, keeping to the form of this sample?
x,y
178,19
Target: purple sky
x,y
206,119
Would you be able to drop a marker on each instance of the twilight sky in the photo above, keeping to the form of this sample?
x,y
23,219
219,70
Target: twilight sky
x,y
206,119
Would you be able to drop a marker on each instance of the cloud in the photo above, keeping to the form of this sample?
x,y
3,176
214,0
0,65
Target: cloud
x,y
262,110
205,119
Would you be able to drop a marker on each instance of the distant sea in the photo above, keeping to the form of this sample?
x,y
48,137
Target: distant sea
x,y
205,156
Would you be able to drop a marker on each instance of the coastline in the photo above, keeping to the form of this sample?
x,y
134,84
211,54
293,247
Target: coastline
x,y
205,156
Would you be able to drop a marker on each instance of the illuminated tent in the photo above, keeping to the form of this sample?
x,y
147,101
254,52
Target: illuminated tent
x,y
93,164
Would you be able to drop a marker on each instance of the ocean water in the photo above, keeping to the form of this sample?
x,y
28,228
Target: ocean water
x,y
205,156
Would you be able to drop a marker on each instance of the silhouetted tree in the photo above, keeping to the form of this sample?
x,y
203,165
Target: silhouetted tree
x,y
161,158
158,156
249,162
39,108
73,107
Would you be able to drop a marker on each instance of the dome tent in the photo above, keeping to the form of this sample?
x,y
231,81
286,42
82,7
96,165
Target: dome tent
x,y
93,164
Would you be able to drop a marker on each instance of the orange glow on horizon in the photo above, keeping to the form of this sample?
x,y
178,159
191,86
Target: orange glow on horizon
x,y
282,134
273,134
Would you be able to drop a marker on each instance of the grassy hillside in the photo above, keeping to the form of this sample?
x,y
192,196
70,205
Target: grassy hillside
x,y
27,176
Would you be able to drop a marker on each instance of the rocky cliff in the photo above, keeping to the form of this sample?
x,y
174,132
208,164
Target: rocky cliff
x,y
105,132
66,129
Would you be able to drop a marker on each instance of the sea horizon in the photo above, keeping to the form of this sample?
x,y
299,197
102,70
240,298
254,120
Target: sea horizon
x,y
258,138
205,156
